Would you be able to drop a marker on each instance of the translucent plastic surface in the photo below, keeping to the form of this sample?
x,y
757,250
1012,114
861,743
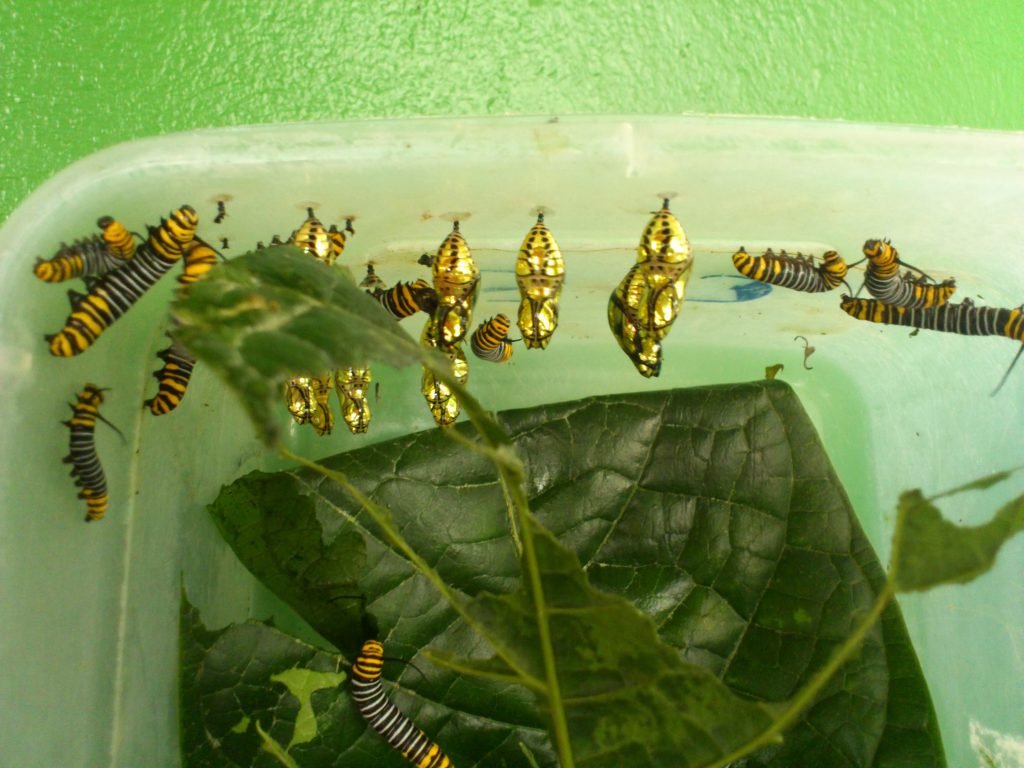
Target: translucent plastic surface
x,y
89,613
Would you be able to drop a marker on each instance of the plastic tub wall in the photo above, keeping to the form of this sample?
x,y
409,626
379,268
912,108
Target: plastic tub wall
x,y
90,612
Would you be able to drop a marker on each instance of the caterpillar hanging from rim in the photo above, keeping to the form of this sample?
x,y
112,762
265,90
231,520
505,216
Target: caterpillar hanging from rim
x,y
385,717
965,318
120,242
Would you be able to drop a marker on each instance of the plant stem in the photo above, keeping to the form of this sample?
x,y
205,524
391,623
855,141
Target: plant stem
x,y
559,726
383,520
270,745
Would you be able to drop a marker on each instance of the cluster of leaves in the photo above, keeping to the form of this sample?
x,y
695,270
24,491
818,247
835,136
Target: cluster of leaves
x,y
671,578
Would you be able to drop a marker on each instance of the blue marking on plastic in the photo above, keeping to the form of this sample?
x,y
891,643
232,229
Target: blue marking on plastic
x,y
747,290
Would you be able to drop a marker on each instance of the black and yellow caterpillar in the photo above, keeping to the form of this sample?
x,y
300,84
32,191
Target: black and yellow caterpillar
x,y
884,282
84,461
797,273
91,256
172,379
384,717
115,292
490,339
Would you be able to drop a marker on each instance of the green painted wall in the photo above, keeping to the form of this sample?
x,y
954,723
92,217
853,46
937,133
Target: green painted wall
x,y
79,75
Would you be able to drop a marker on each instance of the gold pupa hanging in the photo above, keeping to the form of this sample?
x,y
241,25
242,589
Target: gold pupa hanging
x,y
660,307
308,397
453,269
640,345
441,400
666,262
322,418
443,404
456,281
298,396
308,401
540,272
664,252
643,307
353,385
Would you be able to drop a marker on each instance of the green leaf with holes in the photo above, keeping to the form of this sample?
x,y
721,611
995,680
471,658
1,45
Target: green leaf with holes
x,y
928,550
713,510
253,696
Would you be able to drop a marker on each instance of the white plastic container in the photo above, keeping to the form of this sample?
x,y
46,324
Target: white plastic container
x,y
89,613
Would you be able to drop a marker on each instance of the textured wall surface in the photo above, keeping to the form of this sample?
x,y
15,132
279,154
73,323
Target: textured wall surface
x,y
82,75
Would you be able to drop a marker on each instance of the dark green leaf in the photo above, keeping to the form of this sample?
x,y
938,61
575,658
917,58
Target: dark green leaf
x,y
628,697
264,317
714,510
251,675
277,526
929,550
